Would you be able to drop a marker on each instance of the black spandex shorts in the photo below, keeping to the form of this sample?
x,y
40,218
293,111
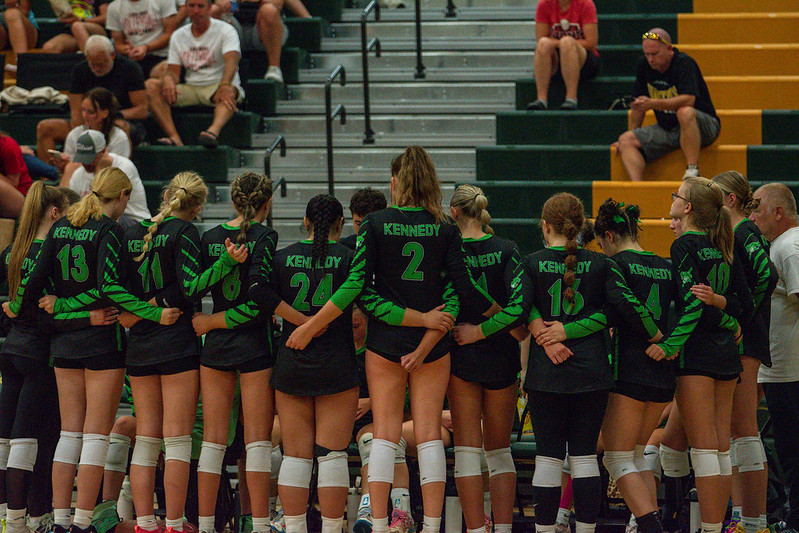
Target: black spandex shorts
x,y
589,69
711,375
167,368
643,393
109,361
245,367
434,355
567,419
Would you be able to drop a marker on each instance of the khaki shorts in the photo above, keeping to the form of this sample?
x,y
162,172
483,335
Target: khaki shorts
x,y
199,95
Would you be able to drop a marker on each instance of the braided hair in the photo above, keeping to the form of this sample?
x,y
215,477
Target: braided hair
x,y
186,190
250,192
619,219
473,204
323,212
564,213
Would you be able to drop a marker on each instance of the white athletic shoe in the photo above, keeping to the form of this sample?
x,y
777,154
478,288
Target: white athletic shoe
x,y
691,172
275,74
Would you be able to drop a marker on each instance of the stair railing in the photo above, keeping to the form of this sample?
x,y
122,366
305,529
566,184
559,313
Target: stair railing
x,y
368,133
340,111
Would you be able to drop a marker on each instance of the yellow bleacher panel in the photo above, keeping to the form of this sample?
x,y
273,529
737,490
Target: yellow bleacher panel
x,y
745,59
713,160
727,28
743,6
754,92
653,197
738,126
656,236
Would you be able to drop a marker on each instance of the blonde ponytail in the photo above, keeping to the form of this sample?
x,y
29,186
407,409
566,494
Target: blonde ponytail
x,y
107,185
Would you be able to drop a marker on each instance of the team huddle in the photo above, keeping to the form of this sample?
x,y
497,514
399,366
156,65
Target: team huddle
x,y
616,336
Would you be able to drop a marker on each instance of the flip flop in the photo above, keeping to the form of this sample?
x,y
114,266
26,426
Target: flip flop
x,y
208,139
165,141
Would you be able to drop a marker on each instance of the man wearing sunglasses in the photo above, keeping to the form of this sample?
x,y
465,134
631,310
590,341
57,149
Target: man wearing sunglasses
x,y
670,83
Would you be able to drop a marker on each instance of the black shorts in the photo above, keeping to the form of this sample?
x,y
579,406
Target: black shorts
x,y
712,375
109,361
434,355
167,368
245,367
643,393
589,69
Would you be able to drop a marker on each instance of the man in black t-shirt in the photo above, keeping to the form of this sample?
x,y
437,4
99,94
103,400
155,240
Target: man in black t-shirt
x,y
670,83
102,68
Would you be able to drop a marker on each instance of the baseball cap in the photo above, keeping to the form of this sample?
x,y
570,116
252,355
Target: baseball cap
x,y
89,144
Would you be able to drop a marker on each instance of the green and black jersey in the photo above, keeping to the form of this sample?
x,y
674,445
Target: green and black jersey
x,y
704,334
408,258
84,266
496,359
650,279
249,335
327,365
752,250
170,272
599,286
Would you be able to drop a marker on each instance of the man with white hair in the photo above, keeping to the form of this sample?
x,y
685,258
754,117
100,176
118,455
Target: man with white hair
x,y
777,220
102,68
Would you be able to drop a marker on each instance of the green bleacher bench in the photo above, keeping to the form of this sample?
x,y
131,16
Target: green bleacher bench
x,y
772,162
644,6
627,28
22,127
508,199
558,127
40,70
305,33
330,10
291,61
49,27
780,127
161,163
598,93
525,232
619,59
237,132
543,163
262,96
153,191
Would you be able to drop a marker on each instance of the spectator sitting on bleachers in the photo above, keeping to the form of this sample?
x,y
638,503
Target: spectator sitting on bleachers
x,y
102,68
566,34
670,83
141,30
86,19
92,155
18,28
14,178
261,27
209,50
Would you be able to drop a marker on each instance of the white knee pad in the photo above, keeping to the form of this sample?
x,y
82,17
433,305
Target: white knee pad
x,y
259,456
145,451
399,457
365,448
750,454
95,449
725,465
118,451
652,458
295,472
638,457
499,461
674,463
583,466
619,463
565,468
68,448
212,455
547,473
381,464
276,458
5,448
432,462
23,454
178,448
734,452
467,461
333,470
705,462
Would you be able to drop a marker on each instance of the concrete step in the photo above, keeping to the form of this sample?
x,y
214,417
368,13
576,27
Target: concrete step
x,y
431,107
468,59
447,30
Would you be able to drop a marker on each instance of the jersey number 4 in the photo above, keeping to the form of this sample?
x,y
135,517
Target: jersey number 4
x,y
320,296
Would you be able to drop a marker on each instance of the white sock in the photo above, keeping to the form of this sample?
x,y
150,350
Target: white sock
x,y
3,510
365,503
563,516
632,520
711,528
83,518
260,525
478,530
762,522
332,525
206,524
582,527
749,523
296,524
176,525
62,517
544,529
35,521
15,520
380,525
431,524
401,499
147,522
503,528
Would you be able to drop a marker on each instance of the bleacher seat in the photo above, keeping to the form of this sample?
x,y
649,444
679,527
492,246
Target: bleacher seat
x,y
161,163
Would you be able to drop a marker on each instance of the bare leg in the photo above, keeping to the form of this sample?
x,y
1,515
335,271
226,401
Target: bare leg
x,y
270,29
631,157
149,423
72,405
499,409
21,32
83,30
48,132
690,139
161,110
543,60
572,58
466,402
297,416
11,200
258,407
61,44
222,115
335,416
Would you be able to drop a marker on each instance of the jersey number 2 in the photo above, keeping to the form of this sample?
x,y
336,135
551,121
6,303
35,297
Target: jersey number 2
x,y
320,296
415,251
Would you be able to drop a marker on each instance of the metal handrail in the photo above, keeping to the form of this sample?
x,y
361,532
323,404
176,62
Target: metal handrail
x,y
368,133
420,70
340,111
281,142
451,9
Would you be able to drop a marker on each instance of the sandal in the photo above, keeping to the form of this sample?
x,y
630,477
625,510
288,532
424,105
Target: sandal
x,y
208,139
165,141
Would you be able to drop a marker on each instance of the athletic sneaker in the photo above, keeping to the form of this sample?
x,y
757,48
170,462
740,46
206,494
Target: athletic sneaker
x,y
75,529
562,528
62,529
278,523
732,526
363,524
275,74
45,524
401,522
691,172
138,529
631,528
105,517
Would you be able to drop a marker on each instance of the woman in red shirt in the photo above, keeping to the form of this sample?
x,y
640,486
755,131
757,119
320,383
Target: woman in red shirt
x,y
14,178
